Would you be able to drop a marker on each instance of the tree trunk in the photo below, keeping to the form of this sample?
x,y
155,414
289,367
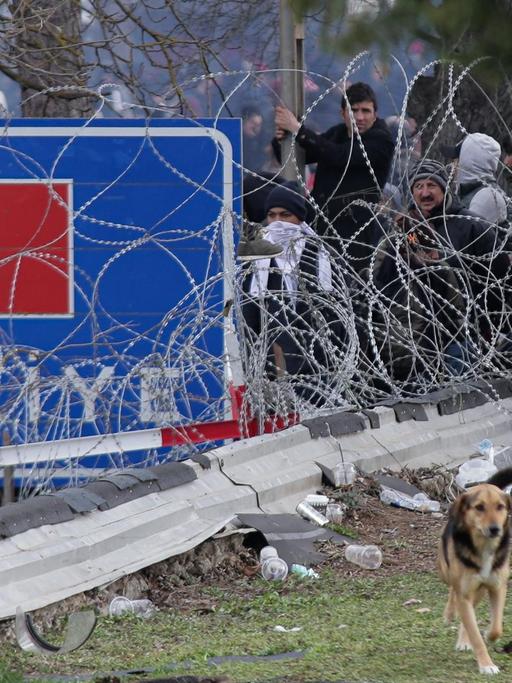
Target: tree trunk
x,y
476,108
50,55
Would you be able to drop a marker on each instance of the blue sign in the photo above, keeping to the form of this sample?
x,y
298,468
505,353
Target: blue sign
x,y
116,263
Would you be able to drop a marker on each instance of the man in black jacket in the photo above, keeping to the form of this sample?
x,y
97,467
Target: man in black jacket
x,y
353,160
451,267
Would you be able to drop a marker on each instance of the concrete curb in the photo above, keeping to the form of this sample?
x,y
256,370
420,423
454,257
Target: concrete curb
x,y
269,474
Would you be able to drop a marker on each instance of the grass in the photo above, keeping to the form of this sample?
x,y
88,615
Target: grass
x,y
354,630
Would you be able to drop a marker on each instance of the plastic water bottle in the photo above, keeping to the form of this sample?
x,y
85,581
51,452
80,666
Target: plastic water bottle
x,y
419,502
366,556
425,504
120,605
274,569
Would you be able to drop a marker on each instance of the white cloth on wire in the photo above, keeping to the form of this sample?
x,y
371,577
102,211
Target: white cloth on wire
x,y
293,240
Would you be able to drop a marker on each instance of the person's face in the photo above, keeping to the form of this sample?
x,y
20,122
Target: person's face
x,y
278,213
507,160
427,195
252,125
364,116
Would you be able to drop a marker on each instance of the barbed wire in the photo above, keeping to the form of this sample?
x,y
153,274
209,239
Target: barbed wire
x,y
359,341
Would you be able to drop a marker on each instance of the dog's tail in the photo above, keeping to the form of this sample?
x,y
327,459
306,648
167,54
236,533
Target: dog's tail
x,y
502,478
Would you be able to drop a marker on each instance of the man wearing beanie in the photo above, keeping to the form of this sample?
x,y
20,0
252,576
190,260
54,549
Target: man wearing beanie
x,y
436,271
284,294
353,160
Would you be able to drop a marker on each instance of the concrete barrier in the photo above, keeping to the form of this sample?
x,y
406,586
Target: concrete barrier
x,y
100,542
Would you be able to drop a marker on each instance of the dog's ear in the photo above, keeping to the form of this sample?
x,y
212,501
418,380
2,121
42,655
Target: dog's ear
x,y
459,507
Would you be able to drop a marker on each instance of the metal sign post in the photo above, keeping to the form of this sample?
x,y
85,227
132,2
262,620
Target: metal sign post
x,y
292,91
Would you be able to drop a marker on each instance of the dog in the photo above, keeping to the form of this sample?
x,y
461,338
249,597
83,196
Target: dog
x,y
474,559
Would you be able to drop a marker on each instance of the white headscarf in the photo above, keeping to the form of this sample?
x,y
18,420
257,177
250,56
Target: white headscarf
x,y
293,240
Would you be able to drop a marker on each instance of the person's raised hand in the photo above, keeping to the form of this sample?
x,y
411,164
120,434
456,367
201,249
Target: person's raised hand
x,y
286,120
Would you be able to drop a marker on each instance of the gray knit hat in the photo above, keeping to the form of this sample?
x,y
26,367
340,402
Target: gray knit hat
x,y
431,169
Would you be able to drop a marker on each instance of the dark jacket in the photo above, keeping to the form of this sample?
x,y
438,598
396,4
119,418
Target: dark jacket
x,y
306,326
469,244
344,173
418,310
424,301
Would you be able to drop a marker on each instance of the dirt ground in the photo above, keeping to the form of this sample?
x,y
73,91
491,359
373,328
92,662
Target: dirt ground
x,y
408,541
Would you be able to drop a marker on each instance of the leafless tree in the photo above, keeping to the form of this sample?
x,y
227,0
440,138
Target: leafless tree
x,y
154,51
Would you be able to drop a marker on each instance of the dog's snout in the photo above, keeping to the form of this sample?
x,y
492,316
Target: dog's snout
x,y
494,530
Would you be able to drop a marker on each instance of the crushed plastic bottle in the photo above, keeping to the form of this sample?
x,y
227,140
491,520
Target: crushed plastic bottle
x,y
419,502
121,605
486,448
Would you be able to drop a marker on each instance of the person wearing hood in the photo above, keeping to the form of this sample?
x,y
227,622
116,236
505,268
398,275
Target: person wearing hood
x,y
283,294
453,260
478,156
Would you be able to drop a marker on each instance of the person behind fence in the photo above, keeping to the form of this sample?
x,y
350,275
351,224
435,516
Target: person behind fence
x,y
256,188
451,245
477,157
353,161
253,147
284,295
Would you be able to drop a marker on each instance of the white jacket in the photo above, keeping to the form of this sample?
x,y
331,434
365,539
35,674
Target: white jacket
x,y
478,163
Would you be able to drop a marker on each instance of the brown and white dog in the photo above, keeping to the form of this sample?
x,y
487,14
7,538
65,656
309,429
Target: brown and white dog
x,y
474,559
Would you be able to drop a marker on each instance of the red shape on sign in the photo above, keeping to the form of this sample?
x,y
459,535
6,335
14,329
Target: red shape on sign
x,y
35,248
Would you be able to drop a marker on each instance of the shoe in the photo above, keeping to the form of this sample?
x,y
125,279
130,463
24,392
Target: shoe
x,y
252,250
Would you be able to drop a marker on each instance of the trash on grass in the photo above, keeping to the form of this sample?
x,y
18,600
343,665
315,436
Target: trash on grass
x,y
266,552
474,471
310,513
317,501
303,572
419,502
342,474
283,629
121,605
79,628
335,513
274,569
366,556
